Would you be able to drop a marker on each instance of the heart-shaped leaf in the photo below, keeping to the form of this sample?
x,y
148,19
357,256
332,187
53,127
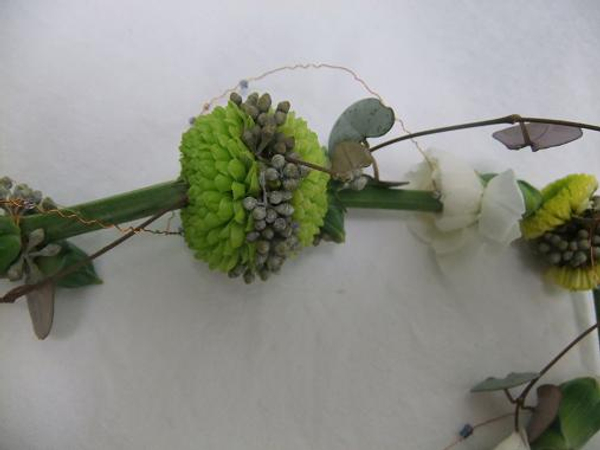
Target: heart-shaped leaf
x,y
69,255
537,135
546,410
348,157
363,119
512,380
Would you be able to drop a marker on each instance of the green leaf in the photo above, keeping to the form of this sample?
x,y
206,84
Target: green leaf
x,y
512,380
578,417
69,255
10,243
532,196
333,223
363,119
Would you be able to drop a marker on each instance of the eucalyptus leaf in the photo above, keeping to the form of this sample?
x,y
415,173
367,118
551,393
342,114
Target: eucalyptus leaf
x,y
333,223
363,119
578,417
10,243
70,254
512,380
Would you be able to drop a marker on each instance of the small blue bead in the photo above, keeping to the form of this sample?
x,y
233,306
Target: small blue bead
x,y
466,431
244,84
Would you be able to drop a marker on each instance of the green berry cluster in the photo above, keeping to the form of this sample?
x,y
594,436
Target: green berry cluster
x,y
21,199
575,244
275,232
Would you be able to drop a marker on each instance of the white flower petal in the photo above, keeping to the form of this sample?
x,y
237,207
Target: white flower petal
x,y
516,441
501,209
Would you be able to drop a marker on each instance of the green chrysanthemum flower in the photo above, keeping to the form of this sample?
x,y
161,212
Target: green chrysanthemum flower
x,y
560,200
563,231
221,171
310,199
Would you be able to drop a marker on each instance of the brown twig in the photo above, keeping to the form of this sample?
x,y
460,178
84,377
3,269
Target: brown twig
x,y
14,294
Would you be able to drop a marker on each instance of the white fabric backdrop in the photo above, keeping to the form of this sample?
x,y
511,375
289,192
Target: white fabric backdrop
x,y
362,345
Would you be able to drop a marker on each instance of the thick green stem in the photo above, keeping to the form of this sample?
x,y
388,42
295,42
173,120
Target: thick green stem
x,y
108,211
148,201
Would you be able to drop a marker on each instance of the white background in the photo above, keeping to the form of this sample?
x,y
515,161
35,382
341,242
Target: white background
x,y
355,346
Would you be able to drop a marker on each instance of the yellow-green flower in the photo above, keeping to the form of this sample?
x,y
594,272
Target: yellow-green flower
x,y
565,233
222,170
560,200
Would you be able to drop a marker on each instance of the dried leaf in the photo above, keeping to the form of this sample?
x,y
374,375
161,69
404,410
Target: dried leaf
x,y
349,156
541,136
513,379
549,397
41,308
363,119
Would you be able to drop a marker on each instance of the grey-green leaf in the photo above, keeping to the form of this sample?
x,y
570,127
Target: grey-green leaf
x,y
40,303
363,119
546,410
512,380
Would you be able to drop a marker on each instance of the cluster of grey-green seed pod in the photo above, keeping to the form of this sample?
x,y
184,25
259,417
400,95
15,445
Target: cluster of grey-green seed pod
x,y
21,199
575,244
275,231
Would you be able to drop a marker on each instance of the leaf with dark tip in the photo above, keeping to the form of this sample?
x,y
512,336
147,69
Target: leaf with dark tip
x,y
41,308
546,410
363,119
348,157
541,136
384,184
512,380
70,254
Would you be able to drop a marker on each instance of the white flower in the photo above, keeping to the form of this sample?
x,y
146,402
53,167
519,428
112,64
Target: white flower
x,y
516,441
474,217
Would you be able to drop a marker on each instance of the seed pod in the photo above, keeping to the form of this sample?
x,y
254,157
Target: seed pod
x,y
273,185
562,245
6,182
251,110
236,98
596,240
274,263
271,215
256,132
291,171
262,119
264,103
281,248
266,135
555,240
252,236
290,184
264,274
248,139
259,213
260,259
252,98
287,195
554,258
260,225
278,161
579,258
583,244
573,246
280,117
48,204
275,197
547,236
285,209
280,148
268,233
583,234
304,171
286,232
280,224
249,203
236,271
567,256
263,247
284,107
271,174
543,247
596,252
289,142
248,276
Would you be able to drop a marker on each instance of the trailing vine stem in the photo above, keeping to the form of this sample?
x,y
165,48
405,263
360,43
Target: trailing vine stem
x,y
510,119
520,400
